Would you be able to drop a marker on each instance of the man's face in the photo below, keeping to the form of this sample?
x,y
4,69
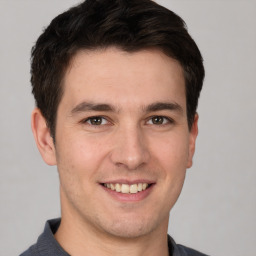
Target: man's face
x,y
122,123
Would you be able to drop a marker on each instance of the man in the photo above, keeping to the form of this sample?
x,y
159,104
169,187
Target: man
x,y
116,85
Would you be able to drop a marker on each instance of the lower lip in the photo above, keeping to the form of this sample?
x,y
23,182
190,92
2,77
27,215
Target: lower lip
x,y
129,197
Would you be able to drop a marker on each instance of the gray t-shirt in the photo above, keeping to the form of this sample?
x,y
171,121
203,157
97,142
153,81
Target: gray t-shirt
x,y
47,245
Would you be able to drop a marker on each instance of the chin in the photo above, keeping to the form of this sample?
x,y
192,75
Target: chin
x,y
130,228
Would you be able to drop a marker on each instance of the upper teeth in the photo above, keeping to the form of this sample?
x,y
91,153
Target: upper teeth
x,y
125,188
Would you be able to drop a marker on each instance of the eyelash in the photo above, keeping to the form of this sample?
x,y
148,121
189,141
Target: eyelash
x,y
89,119
166,121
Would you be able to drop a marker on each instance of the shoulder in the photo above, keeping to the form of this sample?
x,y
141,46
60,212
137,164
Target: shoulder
x,y
31,251
181,250
186,251
46,244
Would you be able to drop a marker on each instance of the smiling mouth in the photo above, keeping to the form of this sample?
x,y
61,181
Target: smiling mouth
x,y
126,188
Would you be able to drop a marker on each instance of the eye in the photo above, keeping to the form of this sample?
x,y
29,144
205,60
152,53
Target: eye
x,y
96,120
159,120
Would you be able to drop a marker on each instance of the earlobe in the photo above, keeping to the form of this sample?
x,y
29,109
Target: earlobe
x,y
43,137
192,140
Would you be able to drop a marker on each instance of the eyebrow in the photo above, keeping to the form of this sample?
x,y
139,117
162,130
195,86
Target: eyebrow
x,y
158,106
86,106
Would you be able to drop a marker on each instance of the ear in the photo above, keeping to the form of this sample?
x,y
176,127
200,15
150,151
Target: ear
x,y
192,140
43,138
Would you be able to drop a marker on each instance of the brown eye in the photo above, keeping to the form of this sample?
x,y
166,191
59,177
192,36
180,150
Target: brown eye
x,y
158,120
97,120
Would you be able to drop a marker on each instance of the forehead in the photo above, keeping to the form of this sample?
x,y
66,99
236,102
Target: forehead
x,y
115,76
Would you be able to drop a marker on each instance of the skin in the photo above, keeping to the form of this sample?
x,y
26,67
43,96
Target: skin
x,y
128,144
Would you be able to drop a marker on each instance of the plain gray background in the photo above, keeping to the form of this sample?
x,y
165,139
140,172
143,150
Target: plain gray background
x,y
217,208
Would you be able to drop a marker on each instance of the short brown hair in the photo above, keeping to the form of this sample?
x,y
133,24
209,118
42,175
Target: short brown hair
x,y
130,25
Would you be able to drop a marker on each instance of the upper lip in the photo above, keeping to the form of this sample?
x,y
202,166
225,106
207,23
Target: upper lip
x,y
129,182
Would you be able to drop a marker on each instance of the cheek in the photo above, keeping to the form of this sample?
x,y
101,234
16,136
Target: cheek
x,y
80,157
172,153
171,157
76,167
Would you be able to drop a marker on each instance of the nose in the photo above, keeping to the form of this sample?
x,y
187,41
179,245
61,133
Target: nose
x,y
130,148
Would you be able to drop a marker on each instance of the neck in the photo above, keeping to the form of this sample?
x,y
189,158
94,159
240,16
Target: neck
x,y
79,238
